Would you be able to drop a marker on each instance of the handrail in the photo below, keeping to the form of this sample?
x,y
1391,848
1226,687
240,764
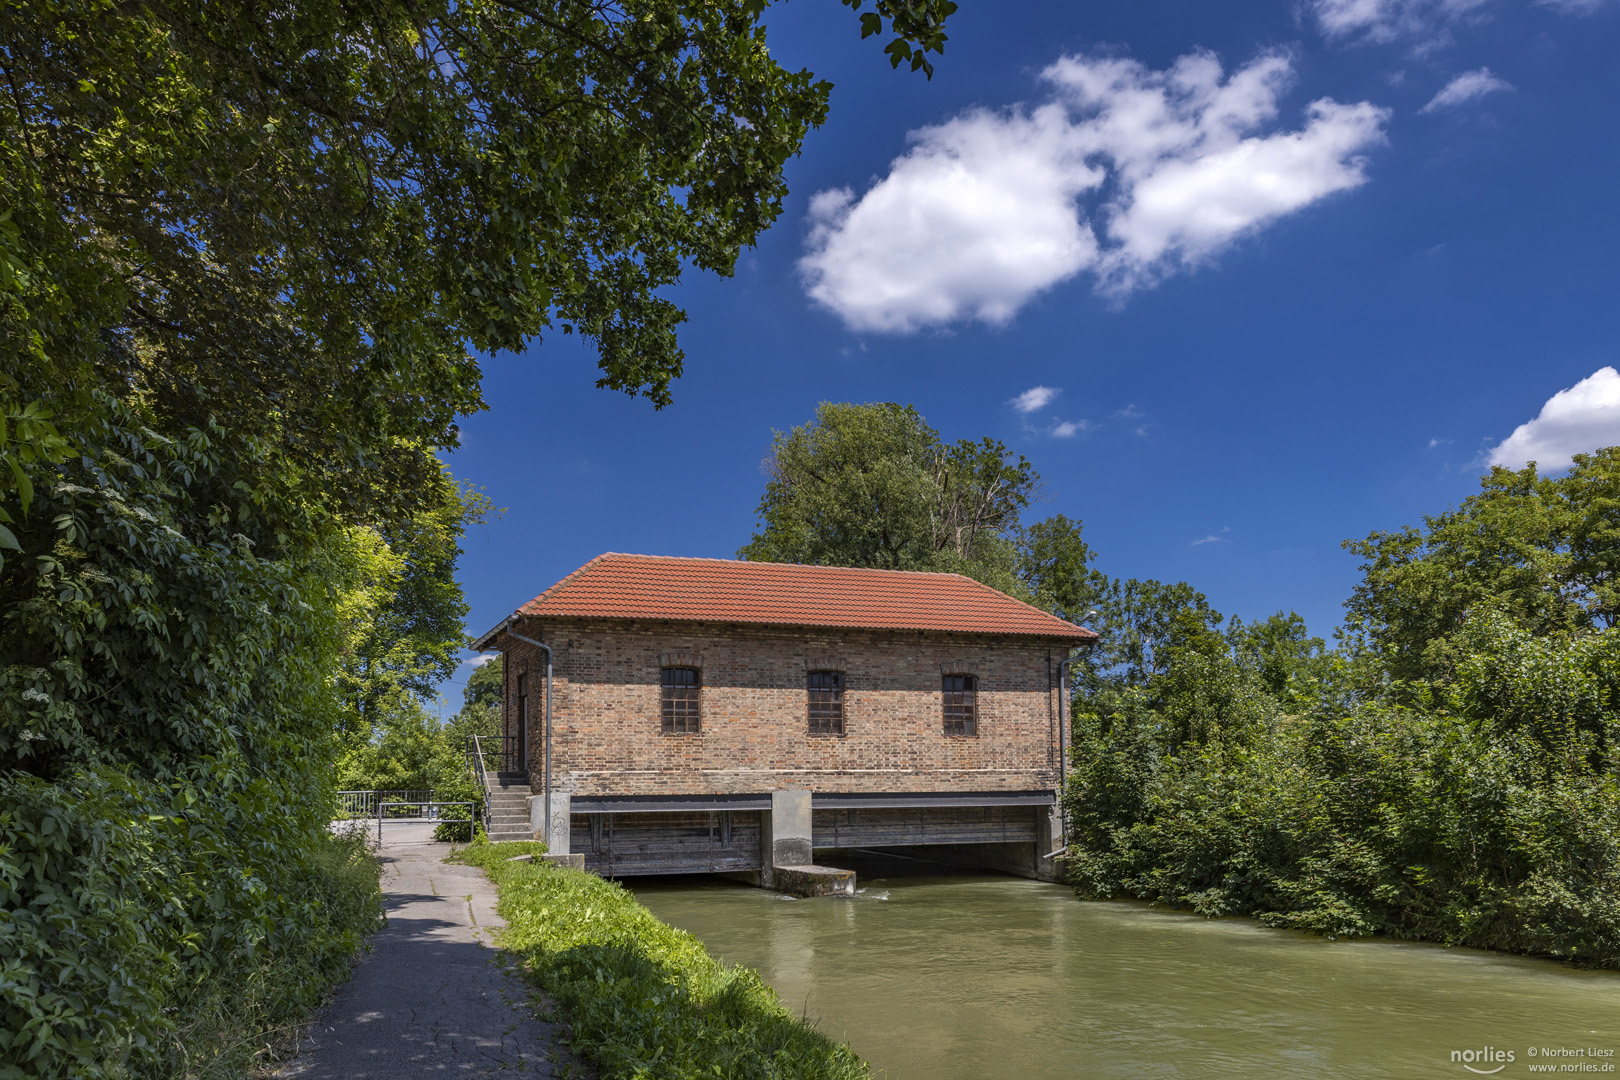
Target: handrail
x,y
363,803
482,777
431,817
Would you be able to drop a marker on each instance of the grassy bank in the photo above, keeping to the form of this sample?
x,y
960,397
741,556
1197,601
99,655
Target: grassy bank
x,y
643,999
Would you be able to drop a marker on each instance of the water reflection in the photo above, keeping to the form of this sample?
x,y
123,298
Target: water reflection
x,y
943,975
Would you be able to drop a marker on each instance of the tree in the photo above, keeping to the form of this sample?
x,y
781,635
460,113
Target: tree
x,y
314,216
874,485
407,610
1296,668
1141,626
1544,550
486,686
1054,564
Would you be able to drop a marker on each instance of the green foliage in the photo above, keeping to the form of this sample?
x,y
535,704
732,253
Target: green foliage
x,y
643,999
1299,670
918,25
874,485
408,637
1054,566
27,440
486,686
1486,817
1544,549
160,929
164,792
317,214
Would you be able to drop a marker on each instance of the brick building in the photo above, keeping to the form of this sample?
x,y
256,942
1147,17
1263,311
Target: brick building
x,y
704,712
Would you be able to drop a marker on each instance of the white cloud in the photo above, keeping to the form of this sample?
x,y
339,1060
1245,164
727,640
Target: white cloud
x,y
1574,7
1127,172
1383,21
1211,539
1035,398
482,658
1469,86
1427,23
1069,428
1578,420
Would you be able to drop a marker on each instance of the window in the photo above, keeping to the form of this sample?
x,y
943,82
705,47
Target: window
x,y
961,694
826,703
680,700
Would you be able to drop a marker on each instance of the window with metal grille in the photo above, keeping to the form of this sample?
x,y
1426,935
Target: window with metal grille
x,y
961,693
680,700
826,703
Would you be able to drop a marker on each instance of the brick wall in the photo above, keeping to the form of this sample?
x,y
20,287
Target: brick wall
x,y
607,736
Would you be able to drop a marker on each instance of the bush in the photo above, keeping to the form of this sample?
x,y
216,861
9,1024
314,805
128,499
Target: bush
x,y
146,932
458,832
1489,818
168,887
643,999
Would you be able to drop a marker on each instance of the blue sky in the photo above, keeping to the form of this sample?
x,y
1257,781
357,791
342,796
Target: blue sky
x,y
1288,273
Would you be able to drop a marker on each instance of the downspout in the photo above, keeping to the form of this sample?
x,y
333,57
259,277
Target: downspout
x,y
547,788
1063,756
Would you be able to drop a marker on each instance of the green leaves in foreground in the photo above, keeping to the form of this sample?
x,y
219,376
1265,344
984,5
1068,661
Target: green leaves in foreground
x,y
643,999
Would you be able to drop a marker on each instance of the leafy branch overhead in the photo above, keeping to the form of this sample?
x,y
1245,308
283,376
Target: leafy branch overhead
x,y
918,26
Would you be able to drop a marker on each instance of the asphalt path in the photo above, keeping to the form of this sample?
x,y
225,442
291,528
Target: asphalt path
x,y
433,998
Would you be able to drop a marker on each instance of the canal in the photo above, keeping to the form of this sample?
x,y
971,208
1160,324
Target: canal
x,y
937,975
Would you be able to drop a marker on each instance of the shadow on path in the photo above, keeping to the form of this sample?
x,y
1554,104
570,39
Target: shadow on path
x,y
431,999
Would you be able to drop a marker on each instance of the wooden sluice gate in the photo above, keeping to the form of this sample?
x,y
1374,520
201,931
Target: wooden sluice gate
x,y
639,837
637,844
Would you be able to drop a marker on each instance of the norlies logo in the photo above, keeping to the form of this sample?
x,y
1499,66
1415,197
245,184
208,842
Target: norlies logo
x,y
1484,1057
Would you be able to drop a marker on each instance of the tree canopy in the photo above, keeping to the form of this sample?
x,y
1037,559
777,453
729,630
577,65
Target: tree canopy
x,y
874,485
314,216
1543,549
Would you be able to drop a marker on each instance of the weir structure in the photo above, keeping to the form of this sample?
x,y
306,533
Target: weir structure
x,y
756,719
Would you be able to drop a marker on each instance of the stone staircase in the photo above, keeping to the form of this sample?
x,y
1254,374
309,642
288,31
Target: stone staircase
x,y
509,807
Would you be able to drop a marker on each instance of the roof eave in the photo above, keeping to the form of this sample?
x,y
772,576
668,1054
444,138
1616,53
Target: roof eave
x,y
1084,635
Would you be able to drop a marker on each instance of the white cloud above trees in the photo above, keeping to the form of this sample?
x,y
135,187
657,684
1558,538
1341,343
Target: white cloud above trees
x,y
1579,420
1125,172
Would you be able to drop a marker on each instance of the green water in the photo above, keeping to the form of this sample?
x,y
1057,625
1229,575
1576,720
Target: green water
x,y
938,978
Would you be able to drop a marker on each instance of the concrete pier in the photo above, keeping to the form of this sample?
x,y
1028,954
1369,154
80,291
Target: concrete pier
x,y
813,880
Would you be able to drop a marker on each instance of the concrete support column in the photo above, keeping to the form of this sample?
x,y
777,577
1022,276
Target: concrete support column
x,y
784,834
790,828
1048,838
561,806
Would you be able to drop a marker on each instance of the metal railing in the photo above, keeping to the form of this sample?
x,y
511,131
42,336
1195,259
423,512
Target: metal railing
x,y
499,753
363,804
423,811
475,759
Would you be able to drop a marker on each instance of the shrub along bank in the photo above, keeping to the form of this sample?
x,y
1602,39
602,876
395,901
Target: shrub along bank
x,y
1485,812
643,999
169,890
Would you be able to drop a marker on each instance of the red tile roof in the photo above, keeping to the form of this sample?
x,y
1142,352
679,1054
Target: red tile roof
x,y
615,586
